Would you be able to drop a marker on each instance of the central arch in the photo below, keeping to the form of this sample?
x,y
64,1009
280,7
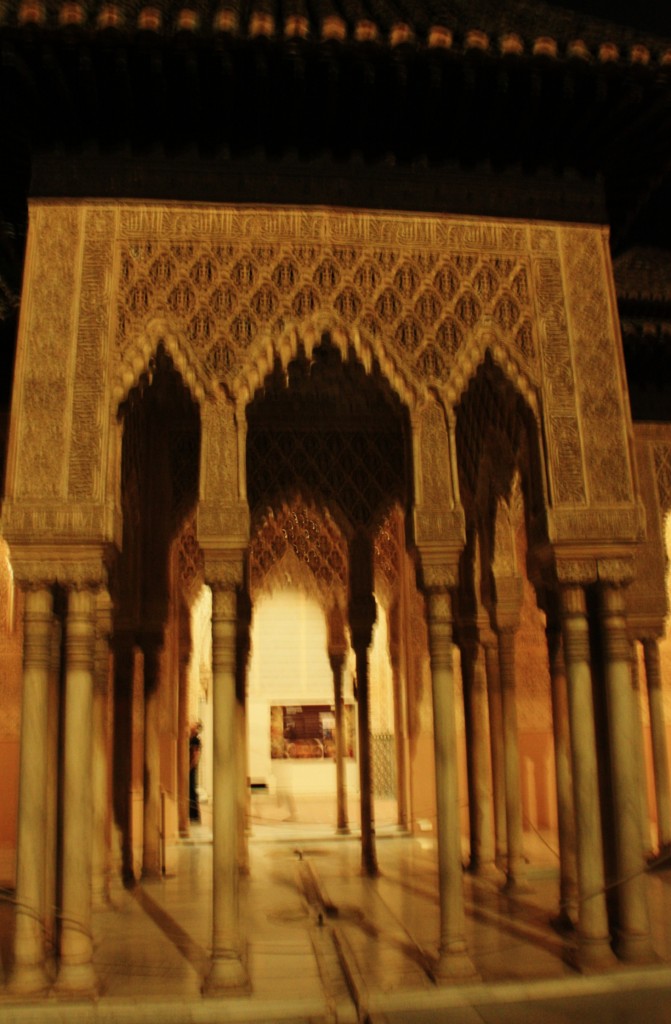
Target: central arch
x,y
324,432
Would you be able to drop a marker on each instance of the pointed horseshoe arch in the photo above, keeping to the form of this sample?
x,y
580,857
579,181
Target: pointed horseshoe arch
x,y
138,356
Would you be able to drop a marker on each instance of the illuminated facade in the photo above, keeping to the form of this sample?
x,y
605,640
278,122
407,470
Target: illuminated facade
x,y
414,416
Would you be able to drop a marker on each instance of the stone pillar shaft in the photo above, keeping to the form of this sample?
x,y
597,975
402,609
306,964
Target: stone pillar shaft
x,y
227,971
633,941
568,871
51,822
29,974
641,773
479,775
368,852
151,842
76,974
496,749
660,756
516,867
99,757
453,959
594,950
342,823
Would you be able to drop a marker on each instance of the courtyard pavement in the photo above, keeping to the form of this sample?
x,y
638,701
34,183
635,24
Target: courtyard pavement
x,y
325,944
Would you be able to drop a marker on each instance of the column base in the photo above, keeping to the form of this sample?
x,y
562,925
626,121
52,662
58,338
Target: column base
x,y
635,948
592,956
227,976
501,860
76,981
660,860
485,870
516,885
29,980
453,967
564,921
343,830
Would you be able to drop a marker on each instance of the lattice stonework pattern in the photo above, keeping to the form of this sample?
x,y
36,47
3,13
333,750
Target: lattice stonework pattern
x,y
398,281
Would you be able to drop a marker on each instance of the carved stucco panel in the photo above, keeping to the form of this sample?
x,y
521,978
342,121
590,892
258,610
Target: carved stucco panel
x,y
242,285
647,594
46,343
236,283
597,358
565,458
219,455
89,422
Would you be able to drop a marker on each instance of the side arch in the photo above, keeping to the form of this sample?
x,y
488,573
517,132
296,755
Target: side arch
x,y
138,356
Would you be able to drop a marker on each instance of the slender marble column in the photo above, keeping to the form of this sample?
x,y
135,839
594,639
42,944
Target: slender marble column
x,y
51,821
568,869
360,641
480,808
639,753
151,840
516,865
183,745
633,938
593,951
398,641
100,886
660,757
337,660
29,974
362,612
491,647
227,971
76,975
241,666
453,959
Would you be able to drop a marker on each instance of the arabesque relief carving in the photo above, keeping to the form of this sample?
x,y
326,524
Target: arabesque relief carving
x,y
601,386
230,292
271,273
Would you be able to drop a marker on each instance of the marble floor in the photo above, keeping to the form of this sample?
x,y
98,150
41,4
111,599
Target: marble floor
x,y
324,944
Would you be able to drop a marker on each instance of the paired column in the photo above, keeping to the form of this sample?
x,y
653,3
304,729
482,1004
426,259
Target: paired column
x,y
453,959
227,971
76,975
241,665
516,865
479,786
660,756
362,612
337,649
568,871
593,950
99,754
491,648
641,773
337,660
29,973
633,939
361,638
151,840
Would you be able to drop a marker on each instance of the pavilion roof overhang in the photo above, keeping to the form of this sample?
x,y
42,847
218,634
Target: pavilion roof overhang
x,y
517,89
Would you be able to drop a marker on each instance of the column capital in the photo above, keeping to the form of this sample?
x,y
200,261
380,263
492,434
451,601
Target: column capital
x,y
616,572
439,576
576,571
224,571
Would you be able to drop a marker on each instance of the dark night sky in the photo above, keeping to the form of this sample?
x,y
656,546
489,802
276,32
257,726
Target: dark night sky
x,y
650,15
